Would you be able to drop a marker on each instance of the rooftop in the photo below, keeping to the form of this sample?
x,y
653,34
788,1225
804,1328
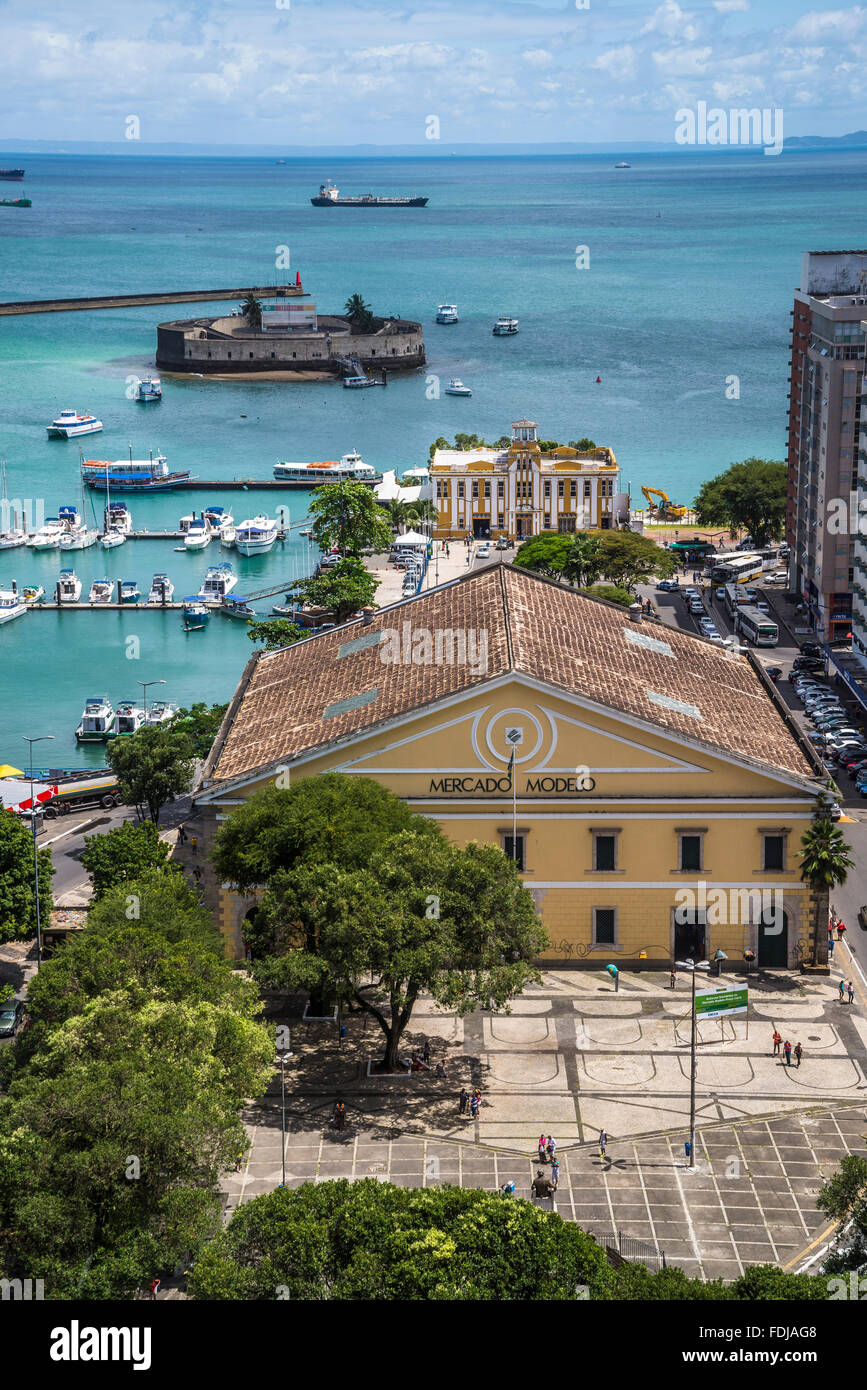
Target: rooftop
x,y
333,686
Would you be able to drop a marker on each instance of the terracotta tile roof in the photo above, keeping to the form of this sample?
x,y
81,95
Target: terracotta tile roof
x,y
329,687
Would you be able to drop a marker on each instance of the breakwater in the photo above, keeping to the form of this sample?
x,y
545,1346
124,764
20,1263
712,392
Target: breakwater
x,y
124,301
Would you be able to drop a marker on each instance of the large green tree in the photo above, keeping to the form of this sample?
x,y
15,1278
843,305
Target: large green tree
x,y
825,864
843,1197
750,495
627,559
153,766
347,516
201,723
342,590
547,554
157,901
17,879
125,852
583,559
275,633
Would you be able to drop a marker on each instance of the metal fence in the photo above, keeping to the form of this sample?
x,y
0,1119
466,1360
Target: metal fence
x,y
631,1249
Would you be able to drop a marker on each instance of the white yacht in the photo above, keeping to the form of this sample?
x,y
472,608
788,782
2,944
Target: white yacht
x,y
457,388
96,720
222,524
101,591
69,424
130,717
149,389
109,540
447,313
9,539
219,581
117,517
68,587
48,536
32,594
349,468
12,605
76,534
161,711
256,536
198,534
161,589
505,327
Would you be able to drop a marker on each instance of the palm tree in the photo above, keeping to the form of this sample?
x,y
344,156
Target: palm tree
x,y
358,312
252,310
582,561
422,510
398,514
825,863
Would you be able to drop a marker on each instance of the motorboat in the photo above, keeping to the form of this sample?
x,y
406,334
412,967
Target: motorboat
x,y
349,468
161,589
97,720
196,613
505,327
457,388
237,607
149,388
358,383
68,587
219,520
447,313
219,581
110,539
622,164
12,605
69,424
129,719
48,535
256,536
160,712
75,533
117,517
101,591
129,591
32,594
227,536
15,536
198,534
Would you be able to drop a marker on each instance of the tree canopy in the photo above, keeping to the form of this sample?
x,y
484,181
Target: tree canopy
x,y
17,879
359,313
622,557
342,590
275,633
347,516
154,766
750,495
201,723
125,852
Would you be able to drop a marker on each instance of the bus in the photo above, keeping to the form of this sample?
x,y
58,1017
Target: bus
x,y
735,599
736,569
756,627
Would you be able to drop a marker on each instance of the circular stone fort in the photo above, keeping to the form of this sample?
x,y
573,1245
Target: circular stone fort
x,y
292,338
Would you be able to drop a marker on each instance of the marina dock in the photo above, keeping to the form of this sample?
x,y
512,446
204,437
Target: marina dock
x,y
126,301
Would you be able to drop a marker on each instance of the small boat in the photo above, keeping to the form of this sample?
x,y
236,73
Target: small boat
x,y
16,174
68,587
149,389
219,520
117,517
12,605
110,539
129,591
218,582
161,589
623,165
283,610
256,536
196,613
69,424
96,720
457,388
161,712
101,591
76,534
32,594
237,607
357,383
505,327
16,203
227,536
198,534
447,313
10,539
129,719
48,536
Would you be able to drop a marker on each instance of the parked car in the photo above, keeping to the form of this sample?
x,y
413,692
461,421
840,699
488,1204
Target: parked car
x,y
504,544
668,586
811,649
11,1017
773,672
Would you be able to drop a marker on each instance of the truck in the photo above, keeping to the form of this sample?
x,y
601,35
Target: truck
x,y
80,792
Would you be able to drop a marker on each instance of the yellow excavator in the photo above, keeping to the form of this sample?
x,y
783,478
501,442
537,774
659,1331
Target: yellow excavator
x,y
664,509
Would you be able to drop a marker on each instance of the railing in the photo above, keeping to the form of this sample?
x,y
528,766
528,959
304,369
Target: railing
x,y
631,1249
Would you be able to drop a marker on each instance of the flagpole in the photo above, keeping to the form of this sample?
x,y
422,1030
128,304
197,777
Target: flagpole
x,y
514,812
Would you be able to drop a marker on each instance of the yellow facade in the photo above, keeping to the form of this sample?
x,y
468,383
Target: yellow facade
x,y
584,775
520,492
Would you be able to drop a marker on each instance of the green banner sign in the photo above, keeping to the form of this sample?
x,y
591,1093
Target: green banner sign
x,y
721,1001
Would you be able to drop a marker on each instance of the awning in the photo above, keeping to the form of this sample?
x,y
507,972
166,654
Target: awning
x,y
410,538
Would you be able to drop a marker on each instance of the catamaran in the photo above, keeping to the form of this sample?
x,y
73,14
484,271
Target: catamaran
x,y
69,424
130,717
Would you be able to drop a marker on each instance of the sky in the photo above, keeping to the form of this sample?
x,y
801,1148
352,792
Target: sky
x,y
311,72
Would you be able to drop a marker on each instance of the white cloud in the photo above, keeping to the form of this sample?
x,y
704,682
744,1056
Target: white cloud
x,y
618,62
730,6
537,57
669,19
827,25
683,62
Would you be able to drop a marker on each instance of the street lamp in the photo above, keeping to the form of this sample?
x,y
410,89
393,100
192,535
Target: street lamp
x,y
144,685
692,966
281,1059
42,738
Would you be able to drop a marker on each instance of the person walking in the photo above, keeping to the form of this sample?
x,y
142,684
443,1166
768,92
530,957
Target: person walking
x,y
239,1159
778,1042
550,1147
425,1052
842,990
541,1148
851,989
463,1101
787,1052
555,1172
799,1052
474,1107
339,1115
673,977
841,927
182,834
155,1287
603,1143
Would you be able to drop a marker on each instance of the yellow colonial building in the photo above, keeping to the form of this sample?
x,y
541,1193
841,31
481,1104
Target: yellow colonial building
x,y
659,791
519,491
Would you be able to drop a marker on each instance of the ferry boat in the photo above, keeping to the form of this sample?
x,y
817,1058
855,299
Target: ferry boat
x,y
12,605
161,711
129,591
101,591
149,389
505,327
256,536
161,589
48,536
349,468
69,424
219,581
129,719
329,197
76,534
196,613
457,388
68,587
447,313
32,594
97,720
132,475
198,534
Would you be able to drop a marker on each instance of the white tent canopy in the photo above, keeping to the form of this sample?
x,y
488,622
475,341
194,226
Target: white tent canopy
x,y
410,538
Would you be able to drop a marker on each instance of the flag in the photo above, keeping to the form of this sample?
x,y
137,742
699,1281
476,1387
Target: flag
x,y
511,766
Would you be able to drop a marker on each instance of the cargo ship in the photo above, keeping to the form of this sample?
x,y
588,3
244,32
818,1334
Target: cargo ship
x,y
329,197
12,174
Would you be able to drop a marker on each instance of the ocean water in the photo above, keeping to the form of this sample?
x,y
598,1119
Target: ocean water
x,y
693,259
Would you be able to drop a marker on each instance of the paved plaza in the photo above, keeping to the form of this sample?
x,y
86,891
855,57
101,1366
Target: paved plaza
x,y
574,1057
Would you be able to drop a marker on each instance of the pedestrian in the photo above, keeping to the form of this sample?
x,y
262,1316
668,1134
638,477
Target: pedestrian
x,y
197,874
474,1107
778,1042
194,843
155,1287
787,1051
182,834
339,1115
550,1146
508,1189
425,1052
478,1096
603,1141
464,1101
541,1148
851,989
440,1071
673,977
841,927
842,990
239,1159
555,1172
799,1052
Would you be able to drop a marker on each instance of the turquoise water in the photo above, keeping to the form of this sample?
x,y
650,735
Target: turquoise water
x,y
692,263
